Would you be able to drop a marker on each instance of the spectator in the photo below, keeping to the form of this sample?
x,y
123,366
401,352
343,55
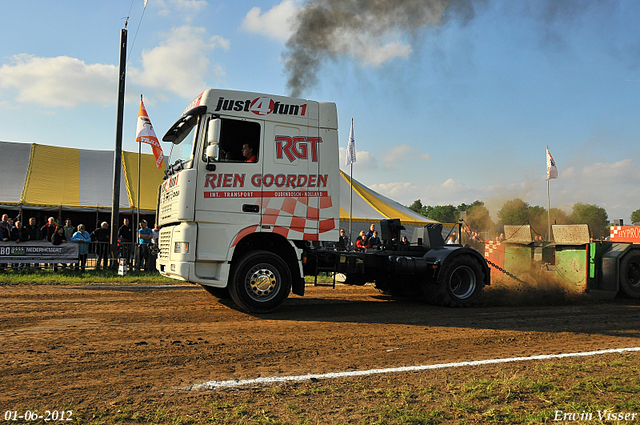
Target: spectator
x,y
374,240
156,235
31,232
83,238
15,234
5,228
156,248
56,239
144,240
125,239
49,229
343,241
451,240
102,236
69,230
368,235
361,241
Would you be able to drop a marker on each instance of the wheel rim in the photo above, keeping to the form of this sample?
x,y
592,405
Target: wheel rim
x,y
262,283
462,282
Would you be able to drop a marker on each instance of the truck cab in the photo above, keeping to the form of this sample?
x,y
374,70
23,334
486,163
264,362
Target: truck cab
x,y
252,179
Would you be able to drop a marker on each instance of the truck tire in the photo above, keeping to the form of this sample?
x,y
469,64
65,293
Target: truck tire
x,y
630,275
222,293
260,282
459,285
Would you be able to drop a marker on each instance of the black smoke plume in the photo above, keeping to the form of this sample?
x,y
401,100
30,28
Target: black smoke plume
x,y
322,24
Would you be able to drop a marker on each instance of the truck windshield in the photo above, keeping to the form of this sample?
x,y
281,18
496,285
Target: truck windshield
x,y
184,132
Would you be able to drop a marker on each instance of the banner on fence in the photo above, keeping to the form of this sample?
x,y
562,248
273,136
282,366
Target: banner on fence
x,y
38,252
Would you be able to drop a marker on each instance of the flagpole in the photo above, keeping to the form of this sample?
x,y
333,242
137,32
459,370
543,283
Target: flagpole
x,y
548,212
138,200
351,199
548,207
351,204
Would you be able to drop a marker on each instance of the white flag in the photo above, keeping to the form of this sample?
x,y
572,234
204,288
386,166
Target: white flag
x,y
351,147
552,170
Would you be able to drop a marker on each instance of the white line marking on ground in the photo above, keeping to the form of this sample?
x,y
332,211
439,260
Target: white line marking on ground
x,y
332,375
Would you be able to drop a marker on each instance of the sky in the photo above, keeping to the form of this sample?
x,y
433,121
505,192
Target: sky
x,y
452,101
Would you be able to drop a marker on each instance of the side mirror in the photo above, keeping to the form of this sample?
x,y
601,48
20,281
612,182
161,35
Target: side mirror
x,y
213,131
212,152
213,138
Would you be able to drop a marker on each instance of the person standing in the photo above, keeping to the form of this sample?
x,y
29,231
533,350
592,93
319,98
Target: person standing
x,y
48,229
31,231
343,241
369,234
5,228
144,240
156,235
58,238
102,236
125,239
83,238
15,234
69,230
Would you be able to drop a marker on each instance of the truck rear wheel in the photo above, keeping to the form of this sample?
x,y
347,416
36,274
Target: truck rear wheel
x,y
260,282
461,283
630,275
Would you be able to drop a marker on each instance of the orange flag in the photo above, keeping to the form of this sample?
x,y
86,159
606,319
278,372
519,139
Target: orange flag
x,y
146,134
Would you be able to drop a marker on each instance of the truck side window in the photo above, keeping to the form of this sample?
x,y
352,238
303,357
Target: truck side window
x,y
239,141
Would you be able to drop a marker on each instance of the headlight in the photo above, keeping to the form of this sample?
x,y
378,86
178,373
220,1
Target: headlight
x,y
181,248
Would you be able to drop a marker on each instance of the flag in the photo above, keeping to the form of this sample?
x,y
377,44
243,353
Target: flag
x,y
146,134
552,171
351,147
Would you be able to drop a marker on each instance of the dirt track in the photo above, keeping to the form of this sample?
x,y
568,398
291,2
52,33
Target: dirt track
x,y
96,345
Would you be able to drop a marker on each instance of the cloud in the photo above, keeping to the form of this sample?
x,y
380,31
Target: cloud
x,y
364,160
612,186
276,23
59,81
180,63
188,8
369,49
403,153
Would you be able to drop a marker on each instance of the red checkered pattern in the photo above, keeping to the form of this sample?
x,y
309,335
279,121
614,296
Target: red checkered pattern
x,y
494,252
625,234
293,218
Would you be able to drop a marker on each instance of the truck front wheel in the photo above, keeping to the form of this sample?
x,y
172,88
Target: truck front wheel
x,y
460,283
630,275
260,282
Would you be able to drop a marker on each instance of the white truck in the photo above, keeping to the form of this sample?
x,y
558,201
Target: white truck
x,y
251,199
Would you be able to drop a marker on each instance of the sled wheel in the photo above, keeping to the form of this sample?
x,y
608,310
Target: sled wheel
x,y
630,275
260,282
460,283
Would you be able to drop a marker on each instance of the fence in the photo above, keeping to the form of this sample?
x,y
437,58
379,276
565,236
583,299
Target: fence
x,y
44,255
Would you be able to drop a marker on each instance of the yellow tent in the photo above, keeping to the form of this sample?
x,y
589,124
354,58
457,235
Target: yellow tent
x,y
44,176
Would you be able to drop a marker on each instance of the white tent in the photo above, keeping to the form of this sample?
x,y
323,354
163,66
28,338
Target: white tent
x,y
369,207
46,177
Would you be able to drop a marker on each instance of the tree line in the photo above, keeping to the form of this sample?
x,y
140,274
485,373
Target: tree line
x,y
518,212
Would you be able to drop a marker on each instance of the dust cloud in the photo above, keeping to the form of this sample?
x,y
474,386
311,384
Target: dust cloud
x,y
535,288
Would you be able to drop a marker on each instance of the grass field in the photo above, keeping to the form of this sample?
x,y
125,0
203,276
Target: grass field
x,y
587,390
